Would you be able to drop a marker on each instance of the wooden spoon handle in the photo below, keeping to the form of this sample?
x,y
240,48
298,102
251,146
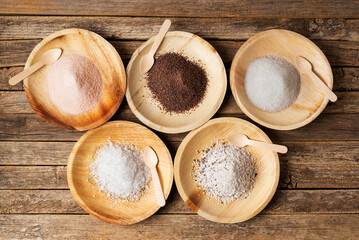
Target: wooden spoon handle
x,y
162,33
158,189
332,97
24,74
269,146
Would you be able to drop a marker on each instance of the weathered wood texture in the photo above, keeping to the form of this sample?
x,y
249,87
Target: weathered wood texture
x,y
283,202
30,127
345,78
339,53
35,201
141,28
204,8
293,175
16,102
320,226
56,153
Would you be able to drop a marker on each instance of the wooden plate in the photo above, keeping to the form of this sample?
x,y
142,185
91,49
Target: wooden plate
x,y
91,198
106,59
287,45
139,96
266,181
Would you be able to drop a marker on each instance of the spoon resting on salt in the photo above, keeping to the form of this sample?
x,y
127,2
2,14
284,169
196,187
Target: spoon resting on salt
x,y
305,67
148,60
151,161
242,140
48,57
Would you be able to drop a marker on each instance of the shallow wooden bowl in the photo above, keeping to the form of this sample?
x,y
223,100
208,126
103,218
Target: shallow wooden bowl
x,y
105,58
265,185
96,202
139,96
287,45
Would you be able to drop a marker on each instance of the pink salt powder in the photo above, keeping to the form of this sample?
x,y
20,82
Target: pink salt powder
x,y
74,84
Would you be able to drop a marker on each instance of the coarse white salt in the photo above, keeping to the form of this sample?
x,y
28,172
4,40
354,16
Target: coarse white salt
x,y
120,171
271,84
226,172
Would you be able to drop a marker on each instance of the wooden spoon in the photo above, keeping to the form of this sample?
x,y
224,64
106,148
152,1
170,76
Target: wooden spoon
x,y
151,161
48,57
147,60
242,140
305,67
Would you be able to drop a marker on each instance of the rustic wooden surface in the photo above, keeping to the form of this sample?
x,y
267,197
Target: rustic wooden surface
x,y
318,193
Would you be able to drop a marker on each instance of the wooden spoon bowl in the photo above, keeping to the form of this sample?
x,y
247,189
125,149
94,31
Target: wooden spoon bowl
x,y
286,45
105,58
266,181
88,195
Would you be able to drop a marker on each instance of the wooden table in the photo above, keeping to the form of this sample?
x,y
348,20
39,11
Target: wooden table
x,y
318,193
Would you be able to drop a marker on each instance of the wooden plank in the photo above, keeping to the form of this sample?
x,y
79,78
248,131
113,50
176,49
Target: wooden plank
x,y
35,153
186,8
16,102
339,53
30,127
283,202
141,28
20,177
56,153
345,78
322,226
293,175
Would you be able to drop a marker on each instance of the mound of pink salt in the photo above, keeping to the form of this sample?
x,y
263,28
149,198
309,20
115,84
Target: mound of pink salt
x,y
74,84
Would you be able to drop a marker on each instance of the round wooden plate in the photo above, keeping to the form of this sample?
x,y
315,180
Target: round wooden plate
x,y
106,59
96,202
146,108
287,45
266,182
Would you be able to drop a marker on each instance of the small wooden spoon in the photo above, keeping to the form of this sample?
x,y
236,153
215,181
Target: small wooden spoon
x,y
48,57
242,140
147,60
151,161
305,67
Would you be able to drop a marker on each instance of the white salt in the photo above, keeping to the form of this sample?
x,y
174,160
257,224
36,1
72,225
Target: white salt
x,y
120,171
271,83
226,172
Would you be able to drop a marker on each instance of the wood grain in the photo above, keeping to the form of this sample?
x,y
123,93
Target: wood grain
x,y
325,226
284,202
204,8
345,78
29,127
321,174
339,53
348,102
42,153
141,28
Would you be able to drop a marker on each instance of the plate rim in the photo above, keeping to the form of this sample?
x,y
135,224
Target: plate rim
x,y
79,199
180,188
235,93
185,128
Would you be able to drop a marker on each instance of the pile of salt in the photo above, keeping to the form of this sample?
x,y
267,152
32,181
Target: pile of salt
x,y
120,171
226,172
271,83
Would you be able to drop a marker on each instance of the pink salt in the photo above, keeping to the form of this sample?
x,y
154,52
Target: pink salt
x,y
74,84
